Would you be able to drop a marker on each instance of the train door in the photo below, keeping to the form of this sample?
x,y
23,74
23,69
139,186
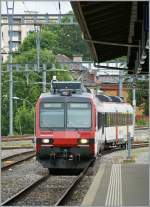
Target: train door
x,y
100,137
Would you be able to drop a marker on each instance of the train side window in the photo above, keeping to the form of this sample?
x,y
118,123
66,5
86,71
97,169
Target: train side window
x,y
108,119
99,120
105,119
127,119
117,119
121,117
113,119
131,119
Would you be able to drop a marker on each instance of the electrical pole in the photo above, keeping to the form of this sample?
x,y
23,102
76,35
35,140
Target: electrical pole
x,y
10,12
120,84
134,102
37,30
44,78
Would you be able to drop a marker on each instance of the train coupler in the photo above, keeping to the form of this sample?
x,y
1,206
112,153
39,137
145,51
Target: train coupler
x,y
77,157
53,156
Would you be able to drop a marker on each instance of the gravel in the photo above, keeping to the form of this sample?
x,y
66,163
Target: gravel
x,y
7,153
47,193
20,176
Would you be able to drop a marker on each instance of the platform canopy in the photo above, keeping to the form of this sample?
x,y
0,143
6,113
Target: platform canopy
x,y
115,29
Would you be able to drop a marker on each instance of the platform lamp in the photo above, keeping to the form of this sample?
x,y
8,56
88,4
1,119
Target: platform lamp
x,y
17,98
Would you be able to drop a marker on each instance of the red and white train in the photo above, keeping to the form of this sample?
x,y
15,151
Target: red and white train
x,y
73,126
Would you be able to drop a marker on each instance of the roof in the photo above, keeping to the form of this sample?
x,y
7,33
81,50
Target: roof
x,y
112,29
62,58
49,95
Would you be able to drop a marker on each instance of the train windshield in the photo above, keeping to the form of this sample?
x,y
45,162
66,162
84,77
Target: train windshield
x,y
52,115
79,115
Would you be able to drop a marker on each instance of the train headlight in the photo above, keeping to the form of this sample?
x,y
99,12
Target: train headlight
x,y
84,141
45,141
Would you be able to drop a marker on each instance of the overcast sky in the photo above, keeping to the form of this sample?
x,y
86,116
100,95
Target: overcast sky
x,y
50,7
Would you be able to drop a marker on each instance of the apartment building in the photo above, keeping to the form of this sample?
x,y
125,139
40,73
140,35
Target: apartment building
x,y
19,32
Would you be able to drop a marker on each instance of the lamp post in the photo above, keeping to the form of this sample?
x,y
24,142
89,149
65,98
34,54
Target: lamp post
x,y
17,98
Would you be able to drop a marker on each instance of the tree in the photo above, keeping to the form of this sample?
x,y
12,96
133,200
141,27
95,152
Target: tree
x,y
141,95
48,40
24,120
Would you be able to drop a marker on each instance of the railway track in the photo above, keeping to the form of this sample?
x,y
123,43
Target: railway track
x,y
24,193
17,147
11,139
140,144
64,195
12,160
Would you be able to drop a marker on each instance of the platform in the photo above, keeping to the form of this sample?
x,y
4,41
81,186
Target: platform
x,y
120,183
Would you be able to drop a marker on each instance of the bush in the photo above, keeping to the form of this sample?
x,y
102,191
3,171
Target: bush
x,y
24,120
141,122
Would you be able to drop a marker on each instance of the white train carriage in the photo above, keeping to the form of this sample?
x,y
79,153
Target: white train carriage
x,y
114,121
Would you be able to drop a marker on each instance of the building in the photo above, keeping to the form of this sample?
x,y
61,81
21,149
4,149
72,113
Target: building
x,y
19,32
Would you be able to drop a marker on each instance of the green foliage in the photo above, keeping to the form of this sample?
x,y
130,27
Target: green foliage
x,y
48,40
141,95
24,120
141,123
30,56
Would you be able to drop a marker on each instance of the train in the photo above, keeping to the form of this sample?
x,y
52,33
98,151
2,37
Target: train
x,y
74,125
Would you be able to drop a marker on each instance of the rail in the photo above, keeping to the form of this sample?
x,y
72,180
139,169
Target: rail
x,y
24,190
12,160
72,186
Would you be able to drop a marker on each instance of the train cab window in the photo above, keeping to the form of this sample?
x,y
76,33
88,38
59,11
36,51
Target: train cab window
x,y
51,115
79,115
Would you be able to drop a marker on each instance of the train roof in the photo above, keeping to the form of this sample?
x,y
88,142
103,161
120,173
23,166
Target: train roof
x,y
105,98
113,107
79,95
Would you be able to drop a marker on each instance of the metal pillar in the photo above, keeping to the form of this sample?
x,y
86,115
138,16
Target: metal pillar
x,y
10,12
44,78
129,146
134,103
37,30
120,84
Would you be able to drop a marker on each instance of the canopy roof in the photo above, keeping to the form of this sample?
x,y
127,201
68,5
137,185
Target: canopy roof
x,y
113,29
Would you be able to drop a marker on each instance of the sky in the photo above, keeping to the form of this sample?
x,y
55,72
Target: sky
x,y
50,7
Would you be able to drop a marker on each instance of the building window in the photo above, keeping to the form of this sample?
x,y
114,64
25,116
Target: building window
x,y
16,34
14,45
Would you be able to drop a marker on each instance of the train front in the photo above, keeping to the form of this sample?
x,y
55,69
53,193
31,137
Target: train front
x,y
65,131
